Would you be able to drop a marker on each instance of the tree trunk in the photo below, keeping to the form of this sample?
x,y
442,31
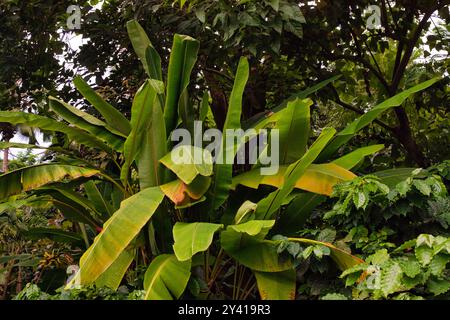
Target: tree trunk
x,y
5,165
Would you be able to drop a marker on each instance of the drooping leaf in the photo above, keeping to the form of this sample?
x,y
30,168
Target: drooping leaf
x,y
318,178
192,238
53,234
117,234
166,278
113,117
87,122
345,135
276,285
29,178
343,259
392,177
49,124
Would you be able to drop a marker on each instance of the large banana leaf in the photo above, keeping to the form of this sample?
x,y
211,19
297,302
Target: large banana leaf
x,y
351,159
53,234
48,124
245,243
141,117
87,122
276,285
299,210
392,177
113,117
29,178
144,49
224,172
99,203
187,162
166,278
192,238
346,134
182,60
318,178
294,128
269,205
117,234
343,259
113,276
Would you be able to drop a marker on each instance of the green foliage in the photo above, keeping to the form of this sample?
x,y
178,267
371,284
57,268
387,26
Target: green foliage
x,y
417,269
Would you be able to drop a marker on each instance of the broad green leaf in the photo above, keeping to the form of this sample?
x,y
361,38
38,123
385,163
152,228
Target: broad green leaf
x,y
182,60
346,134
117,234
144,49
187,162
343,259
97,199
223,172
141,116
113,276
392,177
166,278
152,148
192,238
49,124
113,117
318,178
29,178
53,234
294,129
276,285
87,122
297,213
351,159
438,286
269,205
244,242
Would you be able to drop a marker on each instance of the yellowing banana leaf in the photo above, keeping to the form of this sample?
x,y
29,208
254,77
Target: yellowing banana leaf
x,y
276,285
318,178
113,276
117,234
269,205
113,117
183,195
343,259
44,123
166,278
223,172
29,178
187,162
192,238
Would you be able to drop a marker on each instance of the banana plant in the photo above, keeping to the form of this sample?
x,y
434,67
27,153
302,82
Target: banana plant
x,y
143,203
